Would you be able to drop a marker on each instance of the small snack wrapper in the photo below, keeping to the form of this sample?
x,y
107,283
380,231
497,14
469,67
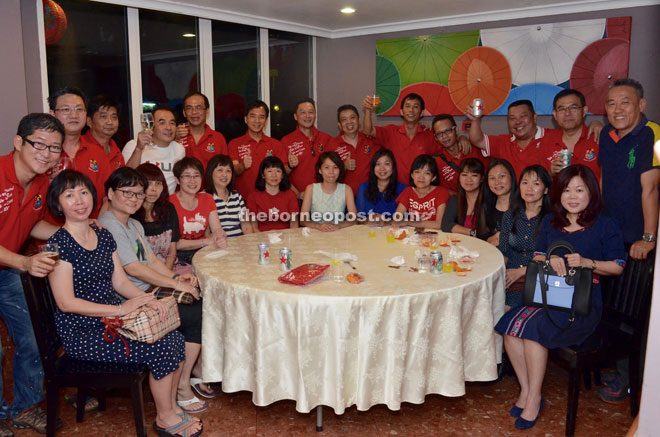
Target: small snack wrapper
x,y
398,260
354,278
460,253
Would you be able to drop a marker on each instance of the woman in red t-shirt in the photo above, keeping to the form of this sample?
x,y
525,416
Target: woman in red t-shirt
x,y
199,224
273,205
423,200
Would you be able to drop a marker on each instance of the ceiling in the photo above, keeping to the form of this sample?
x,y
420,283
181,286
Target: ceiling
x,y
322,17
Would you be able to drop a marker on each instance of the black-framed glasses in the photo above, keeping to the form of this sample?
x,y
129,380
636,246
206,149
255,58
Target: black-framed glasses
x,y
571,108
131,194
41,146
442,133
66,110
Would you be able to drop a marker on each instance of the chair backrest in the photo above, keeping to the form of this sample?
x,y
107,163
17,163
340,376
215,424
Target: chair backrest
x,y
41,305
627,298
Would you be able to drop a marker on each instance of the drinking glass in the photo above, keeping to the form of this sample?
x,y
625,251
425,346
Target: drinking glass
x,y
147,121
51,250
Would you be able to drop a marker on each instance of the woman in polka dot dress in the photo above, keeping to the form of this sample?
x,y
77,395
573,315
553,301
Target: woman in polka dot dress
x,y
84,284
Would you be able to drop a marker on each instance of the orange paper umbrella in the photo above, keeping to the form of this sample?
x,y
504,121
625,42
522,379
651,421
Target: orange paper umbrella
x,y
480,72
436,99
600,64
55,22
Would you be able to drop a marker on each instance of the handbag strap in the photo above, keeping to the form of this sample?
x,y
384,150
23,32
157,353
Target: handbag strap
x,y
559,244
111,333
543,282
449,163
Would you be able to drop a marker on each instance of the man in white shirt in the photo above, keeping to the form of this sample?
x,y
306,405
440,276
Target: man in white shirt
x,y
158,146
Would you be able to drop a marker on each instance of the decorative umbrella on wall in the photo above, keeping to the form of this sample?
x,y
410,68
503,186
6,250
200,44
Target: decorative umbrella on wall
x,y
436,99
55,22
388,83
600,64
426,58
480,72
540,94
619,27
543,53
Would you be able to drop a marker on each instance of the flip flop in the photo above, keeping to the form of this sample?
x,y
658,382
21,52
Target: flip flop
x,y
180,429
91,404
194,400
196,384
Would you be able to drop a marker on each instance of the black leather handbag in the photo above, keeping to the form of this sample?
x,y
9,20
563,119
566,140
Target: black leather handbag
x,y
545,289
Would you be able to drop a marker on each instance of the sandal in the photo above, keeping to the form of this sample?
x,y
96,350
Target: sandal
x,y
196,384
181,429
5,430
91,404
194,400
33,417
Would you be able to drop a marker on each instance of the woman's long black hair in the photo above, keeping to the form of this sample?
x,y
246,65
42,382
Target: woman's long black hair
x,y
487,221
518,204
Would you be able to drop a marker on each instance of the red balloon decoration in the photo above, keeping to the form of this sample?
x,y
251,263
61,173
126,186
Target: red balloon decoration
x,y
54,22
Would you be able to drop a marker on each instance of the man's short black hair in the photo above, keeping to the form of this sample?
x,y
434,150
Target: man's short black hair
x,y
639,89
185,163
101,101
65,180
523,102
52,99
41,121
413,96
196,93
343,108
163,107
569,92
125,177
307,100
441,117
256,104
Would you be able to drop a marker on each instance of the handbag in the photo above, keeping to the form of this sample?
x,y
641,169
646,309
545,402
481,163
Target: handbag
x,y
143,324
545,289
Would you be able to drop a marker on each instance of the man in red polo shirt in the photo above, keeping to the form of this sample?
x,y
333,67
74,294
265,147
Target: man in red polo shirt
x,y
247,151
69,107
406,141
103,123
303,146
449,159
197,137
523,147
23,187
570,110
353,147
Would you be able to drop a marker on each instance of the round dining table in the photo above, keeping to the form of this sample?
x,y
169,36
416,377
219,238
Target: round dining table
x,y
395,337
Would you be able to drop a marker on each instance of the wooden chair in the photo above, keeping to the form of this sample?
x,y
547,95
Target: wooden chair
x,y
62,371
621,333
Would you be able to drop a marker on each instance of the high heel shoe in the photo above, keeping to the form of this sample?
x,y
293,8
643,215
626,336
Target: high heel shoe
x,y
515,411
526,424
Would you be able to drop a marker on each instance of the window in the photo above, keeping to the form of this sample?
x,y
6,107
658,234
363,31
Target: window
x,y
235,75
169,57
290,78
92,55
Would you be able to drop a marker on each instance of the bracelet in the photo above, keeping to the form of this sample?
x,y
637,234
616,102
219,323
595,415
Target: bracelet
x,y
593,264
119,312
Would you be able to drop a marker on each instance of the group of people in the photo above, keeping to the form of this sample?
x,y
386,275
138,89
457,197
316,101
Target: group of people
x,y
127,221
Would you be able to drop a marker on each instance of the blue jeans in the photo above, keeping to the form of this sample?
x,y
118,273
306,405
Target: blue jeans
x,y
27,371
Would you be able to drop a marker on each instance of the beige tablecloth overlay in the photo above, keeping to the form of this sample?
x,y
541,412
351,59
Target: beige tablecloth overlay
x,y
394,338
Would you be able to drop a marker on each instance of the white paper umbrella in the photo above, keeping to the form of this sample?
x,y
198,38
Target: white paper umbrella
x,y
543,52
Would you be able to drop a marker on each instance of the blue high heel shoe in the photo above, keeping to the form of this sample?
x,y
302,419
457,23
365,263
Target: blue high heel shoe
x,y
515,411
526,424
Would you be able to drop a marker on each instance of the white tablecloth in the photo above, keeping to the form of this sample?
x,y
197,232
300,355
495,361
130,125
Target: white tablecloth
x,y
394,338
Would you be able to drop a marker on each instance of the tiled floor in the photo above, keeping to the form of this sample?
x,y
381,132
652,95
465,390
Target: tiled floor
x,y
483,411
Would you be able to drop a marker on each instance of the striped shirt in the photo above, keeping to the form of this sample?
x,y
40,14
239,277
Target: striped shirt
x,y
230,213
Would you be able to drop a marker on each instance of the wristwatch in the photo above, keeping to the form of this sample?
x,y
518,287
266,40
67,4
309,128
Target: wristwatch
x,y
648,237
473,232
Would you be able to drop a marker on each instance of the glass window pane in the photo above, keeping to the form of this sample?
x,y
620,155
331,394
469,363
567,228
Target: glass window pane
x,y
235,75
290,77
92,55
169,58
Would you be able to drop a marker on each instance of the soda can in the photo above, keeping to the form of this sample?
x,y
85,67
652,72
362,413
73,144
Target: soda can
x,y
565,156
436,262
477,107
285,259
264,255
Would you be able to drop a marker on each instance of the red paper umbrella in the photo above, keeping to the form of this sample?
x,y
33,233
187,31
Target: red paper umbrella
x,y
600,63
480,72
54,22
619,27
436,99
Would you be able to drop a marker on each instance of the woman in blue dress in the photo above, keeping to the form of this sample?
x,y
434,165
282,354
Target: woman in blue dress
x,y
378,195
84,284
520,227
528,332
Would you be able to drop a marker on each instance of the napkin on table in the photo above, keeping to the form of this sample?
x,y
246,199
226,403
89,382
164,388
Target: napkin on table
x,y
343,256
274,237
458,252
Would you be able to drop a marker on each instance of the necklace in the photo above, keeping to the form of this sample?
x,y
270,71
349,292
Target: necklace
x,y
79,237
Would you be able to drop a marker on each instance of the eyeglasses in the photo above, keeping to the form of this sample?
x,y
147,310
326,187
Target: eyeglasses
x,y
131,194
68,110
41,146
571,108
442,133
197,108
187,177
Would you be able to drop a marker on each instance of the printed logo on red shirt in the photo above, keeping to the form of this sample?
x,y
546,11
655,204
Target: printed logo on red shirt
x,y
590,155
269,152
210,147
93,165
6,199
243,151
37,202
